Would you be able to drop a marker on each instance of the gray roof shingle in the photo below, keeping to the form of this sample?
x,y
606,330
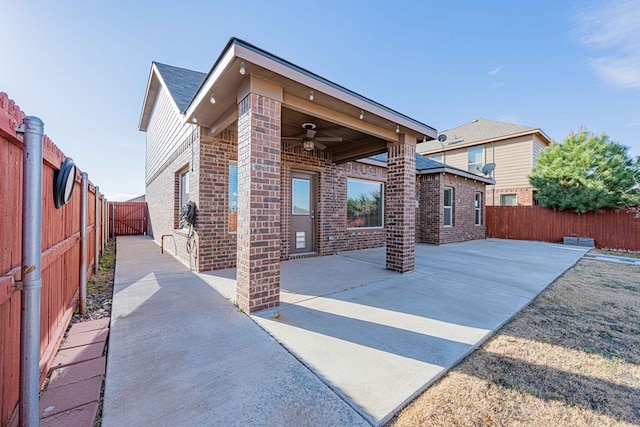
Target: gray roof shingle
x,y
483,129
425,164
182,83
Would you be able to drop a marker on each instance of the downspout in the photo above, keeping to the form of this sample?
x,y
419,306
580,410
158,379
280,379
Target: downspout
x,y
96,250
33,129
83,243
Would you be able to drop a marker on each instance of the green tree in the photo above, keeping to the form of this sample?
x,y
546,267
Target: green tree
x,y
586,172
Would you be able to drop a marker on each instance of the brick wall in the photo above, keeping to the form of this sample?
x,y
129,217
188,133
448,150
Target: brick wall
x,y
209,181
524,195
163,200
430,220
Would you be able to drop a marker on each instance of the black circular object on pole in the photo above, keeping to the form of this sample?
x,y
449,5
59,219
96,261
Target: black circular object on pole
x,y
64,181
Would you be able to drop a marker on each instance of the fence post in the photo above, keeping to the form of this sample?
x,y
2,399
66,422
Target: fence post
x,y
112,216
96,235
104,216
33,129
83,243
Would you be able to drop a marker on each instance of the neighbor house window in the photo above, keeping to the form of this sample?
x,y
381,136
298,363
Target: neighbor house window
x,y
478,208
364,203
475,160
448,207
437,157
183,190
508,200
233,197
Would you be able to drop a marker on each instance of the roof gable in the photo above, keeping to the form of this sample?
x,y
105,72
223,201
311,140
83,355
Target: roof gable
x,y
181,83
482,129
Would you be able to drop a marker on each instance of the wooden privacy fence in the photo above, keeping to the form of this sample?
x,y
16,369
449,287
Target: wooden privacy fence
x,y
610,229
61,262
128,218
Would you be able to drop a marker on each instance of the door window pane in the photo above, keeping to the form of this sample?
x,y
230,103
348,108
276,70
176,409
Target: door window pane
x,y
233,196
300,196
364,203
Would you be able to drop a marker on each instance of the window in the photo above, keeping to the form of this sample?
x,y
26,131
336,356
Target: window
x,y
364,203
508,200
476,155
448,207
233,197
183,191
437,157
478,208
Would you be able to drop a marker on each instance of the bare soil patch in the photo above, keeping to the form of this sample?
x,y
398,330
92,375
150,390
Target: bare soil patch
x,y
571,358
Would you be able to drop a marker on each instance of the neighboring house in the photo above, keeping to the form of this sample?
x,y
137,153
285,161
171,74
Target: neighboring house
x,y
512,148
137,199
279,162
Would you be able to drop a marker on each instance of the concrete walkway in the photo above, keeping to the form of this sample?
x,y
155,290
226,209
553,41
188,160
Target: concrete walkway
x,y
359,339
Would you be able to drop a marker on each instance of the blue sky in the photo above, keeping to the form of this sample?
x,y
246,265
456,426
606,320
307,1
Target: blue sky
x,y
83,67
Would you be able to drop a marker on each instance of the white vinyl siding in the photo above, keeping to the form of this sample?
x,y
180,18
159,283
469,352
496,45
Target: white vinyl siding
x,y
165,132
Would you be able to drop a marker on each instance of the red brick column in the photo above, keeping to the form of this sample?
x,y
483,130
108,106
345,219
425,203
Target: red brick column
x,y
258,263
400,205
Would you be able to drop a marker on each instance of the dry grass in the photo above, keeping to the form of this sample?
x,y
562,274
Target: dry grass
x,y
571,358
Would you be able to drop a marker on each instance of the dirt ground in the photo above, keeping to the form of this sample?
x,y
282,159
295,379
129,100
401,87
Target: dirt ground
x,y
100,287
572,358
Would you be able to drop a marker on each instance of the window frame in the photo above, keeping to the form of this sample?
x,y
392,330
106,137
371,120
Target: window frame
x,y
186,174
515,198
439,159
473,167
445,207
230,211
382,198
477,200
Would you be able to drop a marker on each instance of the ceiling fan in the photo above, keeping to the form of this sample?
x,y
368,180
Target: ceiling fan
x,y
309,141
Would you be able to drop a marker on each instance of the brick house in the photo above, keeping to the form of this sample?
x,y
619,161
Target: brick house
x,y
283,163
513,149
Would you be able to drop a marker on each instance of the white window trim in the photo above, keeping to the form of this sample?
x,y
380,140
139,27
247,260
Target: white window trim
x,y
478,209
380,227
481,163
449,207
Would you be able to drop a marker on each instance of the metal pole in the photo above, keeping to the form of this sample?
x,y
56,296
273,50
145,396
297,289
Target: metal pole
x,y
31,275
96,235
83,243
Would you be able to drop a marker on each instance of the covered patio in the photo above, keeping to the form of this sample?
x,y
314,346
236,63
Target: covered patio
x,y
285,127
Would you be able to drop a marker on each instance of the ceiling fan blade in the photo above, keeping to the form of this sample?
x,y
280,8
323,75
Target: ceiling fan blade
x,y
293,144
291,138
329,139
319,145
310,133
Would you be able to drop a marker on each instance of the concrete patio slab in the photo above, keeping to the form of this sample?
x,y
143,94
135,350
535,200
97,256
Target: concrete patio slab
x,y
181,354
360,341
381,344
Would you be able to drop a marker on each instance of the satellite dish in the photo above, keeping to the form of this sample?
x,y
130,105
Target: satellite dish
x,y
442,137
488,168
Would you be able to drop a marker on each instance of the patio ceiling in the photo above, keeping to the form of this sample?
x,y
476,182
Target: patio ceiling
x,y
334,110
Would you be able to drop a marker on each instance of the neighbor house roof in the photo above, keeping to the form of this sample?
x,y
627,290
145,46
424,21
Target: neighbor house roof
x,y
479,131
426,166
181,83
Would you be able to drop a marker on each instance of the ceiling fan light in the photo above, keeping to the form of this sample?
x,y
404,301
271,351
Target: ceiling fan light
x,y
308,145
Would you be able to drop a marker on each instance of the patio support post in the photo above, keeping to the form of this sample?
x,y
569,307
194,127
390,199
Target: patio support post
x,y
258,236
400,204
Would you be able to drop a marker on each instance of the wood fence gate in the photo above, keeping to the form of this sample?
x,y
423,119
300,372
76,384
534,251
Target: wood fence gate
x,y
128,218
